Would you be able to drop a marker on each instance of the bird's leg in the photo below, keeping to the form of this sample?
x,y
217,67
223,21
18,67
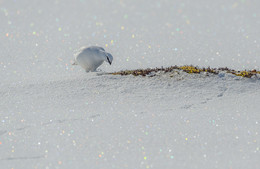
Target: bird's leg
x,y
99,70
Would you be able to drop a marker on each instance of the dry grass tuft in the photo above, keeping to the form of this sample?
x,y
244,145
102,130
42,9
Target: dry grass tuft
x,y
188,69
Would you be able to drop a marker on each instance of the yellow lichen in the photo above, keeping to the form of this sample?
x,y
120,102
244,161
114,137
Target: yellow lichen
x,y
190,69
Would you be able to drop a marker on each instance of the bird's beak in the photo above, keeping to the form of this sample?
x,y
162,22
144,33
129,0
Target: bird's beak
x,y
109,61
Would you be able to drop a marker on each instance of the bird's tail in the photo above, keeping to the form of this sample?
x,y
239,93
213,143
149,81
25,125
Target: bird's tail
x,y
74,62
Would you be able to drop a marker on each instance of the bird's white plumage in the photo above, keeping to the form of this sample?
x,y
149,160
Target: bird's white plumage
x,y
90,58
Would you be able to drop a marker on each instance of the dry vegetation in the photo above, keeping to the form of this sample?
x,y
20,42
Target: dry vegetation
x,y
188,69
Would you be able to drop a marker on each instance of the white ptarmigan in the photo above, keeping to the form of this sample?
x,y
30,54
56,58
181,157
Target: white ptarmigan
x,y
90,58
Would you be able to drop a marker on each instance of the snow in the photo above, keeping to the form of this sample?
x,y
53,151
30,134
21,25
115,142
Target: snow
x,y
54,115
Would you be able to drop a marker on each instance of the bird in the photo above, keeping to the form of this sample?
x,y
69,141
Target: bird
x,y
90,58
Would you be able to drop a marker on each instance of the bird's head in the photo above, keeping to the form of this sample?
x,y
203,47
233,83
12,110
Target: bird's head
x,y
109,58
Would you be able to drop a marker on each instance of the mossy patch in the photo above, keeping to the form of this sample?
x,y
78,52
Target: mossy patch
x,y
188,69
